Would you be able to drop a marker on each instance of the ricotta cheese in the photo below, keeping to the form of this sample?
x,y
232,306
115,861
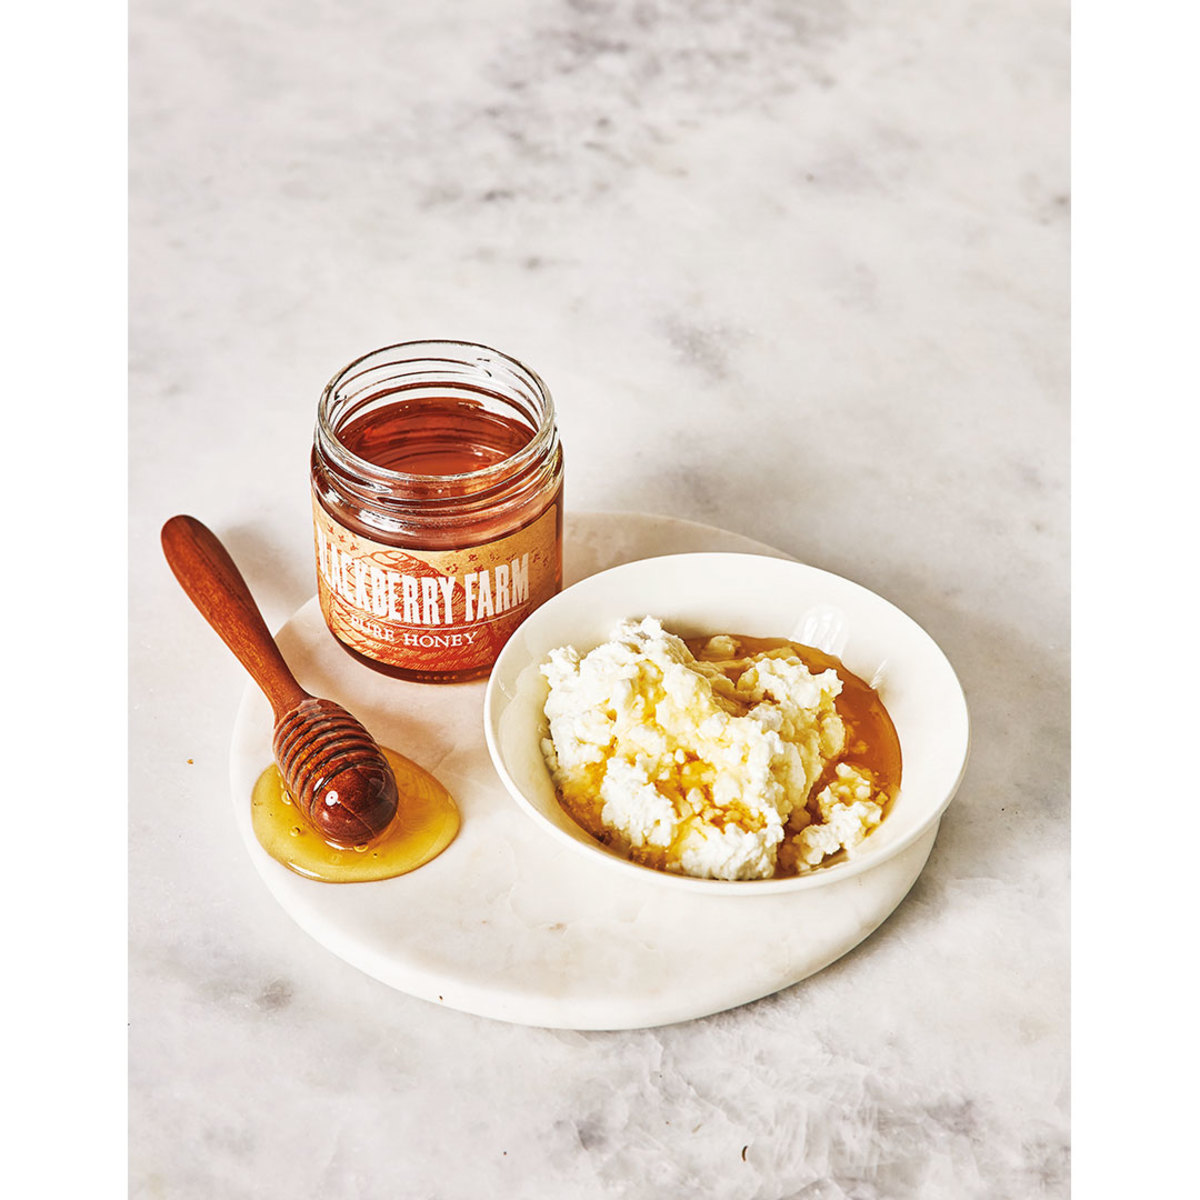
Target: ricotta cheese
x,y
704,767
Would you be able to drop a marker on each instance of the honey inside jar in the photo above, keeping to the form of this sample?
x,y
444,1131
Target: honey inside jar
x,y
435,436
425,823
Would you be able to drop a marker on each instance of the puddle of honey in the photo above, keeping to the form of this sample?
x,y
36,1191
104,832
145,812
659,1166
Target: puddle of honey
x,y
425,823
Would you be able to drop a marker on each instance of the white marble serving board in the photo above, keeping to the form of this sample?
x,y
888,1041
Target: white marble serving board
x,y
506,923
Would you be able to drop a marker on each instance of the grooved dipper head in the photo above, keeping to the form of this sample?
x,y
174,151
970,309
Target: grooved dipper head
x,y
335,772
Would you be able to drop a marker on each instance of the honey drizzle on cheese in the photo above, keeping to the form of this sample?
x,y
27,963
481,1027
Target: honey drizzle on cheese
x,y
871,746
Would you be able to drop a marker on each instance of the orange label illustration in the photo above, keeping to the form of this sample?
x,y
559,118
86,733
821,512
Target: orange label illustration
x,y
433,610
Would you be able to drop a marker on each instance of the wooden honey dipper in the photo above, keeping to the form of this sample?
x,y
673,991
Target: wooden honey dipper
x,y
333,769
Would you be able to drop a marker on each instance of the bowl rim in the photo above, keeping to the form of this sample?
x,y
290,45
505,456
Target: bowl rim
x,y
855,864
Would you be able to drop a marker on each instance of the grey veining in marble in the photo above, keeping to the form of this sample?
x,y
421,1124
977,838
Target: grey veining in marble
x,y
794,268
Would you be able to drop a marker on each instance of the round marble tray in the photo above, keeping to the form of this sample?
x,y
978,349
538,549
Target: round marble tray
x,y
508,924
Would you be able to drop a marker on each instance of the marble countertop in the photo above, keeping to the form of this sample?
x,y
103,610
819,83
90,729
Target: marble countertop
x,y
797,270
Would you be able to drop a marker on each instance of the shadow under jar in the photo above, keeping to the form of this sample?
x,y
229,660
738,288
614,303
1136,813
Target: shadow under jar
x,y
437,477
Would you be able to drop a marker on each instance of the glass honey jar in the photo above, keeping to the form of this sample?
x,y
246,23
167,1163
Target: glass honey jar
x,y
437,484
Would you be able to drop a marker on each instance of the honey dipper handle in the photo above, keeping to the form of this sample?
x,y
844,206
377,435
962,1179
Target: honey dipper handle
x,y
216,587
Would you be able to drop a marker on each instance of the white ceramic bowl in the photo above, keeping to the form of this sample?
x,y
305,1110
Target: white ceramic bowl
x,y
694,594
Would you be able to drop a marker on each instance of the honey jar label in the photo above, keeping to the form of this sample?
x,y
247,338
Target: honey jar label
x,y
433,610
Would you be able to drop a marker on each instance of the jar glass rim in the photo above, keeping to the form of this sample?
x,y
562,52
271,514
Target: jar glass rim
x,y
432,352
